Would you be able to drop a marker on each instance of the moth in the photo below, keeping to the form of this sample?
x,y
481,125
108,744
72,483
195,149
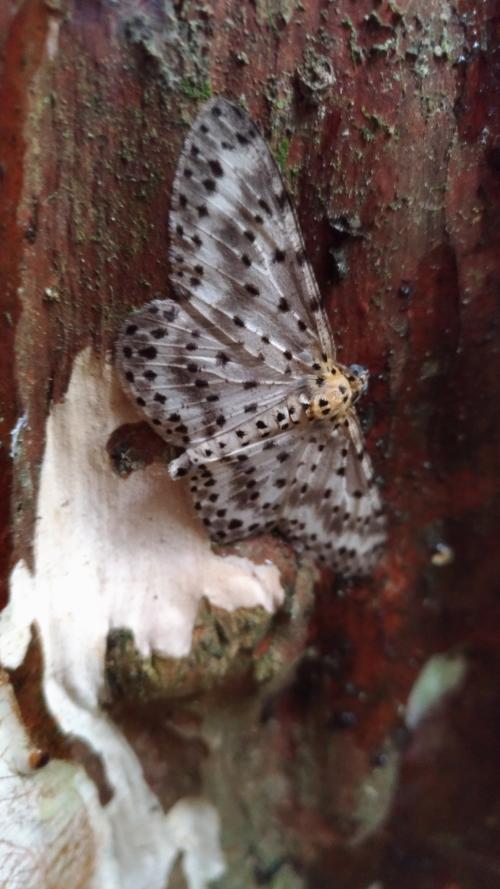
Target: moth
x,y
239,368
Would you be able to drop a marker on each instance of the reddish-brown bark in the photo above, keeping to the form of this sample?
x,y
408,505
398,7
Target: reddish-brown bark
x,y
394,166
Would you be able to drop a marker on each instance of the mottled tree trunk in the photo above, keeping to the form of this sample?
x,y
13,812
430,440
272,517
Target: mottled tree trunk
x,y
297,727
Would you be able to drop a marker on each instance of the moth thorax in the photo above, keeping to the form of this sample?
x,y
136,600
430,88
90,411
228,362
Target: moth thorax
x,y
331,394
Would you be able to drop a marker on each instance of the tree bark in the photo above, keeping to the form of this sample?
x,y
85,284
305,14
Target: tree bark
x,y
328,753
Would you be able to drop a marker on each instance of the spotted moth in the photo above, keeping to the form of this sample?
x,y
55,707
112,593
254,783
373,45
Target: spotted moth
x,y
239,369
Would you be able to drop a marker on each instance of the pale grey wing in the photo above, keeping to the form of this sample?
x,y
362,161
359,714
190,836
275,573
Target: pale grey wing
x,y
316,489
194,382
332,506
243,493
236,250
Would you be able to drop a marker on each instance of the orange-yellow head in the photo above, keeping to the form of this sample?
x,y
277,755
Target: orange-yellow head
x,y
334,389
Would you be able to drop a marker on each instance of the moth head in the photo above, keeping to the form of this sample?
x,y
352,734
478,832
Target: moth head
x,y
334,389
358,377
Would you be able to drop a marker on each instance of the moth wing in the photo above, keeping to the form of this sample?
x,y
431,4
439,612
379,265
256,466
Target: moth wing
x,y
236,250
193,382
333,507
244,493
317,490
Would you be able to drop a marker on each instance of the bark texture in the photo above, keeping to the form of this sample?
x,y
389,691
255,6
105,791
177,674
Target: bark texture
x,y
385,120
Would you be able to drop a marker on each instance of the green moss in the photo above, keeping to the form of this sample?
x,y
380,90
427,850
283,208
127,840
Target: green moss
x,y
357,52
382,49
196,89
377,122
282,153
